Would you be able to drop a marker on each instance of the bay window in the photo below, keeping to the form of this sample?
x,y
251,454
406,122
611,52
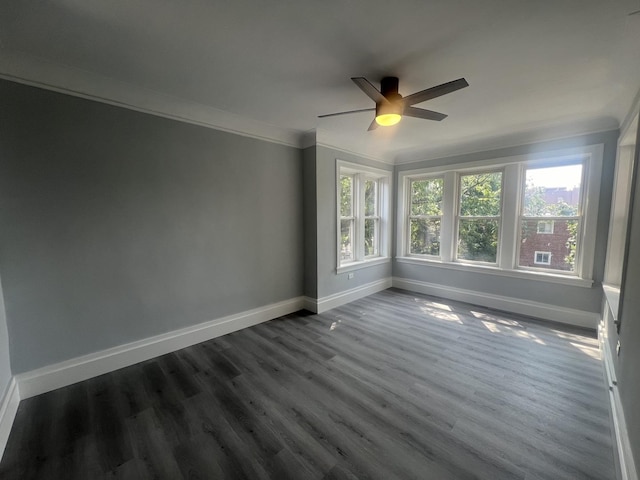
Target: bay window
x,y
526,216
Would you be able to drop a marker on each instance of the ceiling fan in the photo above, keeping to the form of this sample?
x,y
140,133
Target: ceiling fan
x,y
391,106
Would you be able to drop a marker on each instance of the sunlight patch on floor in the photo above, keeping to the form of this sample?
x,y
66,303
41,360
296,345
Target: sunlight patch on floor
x,y
440,315
493,318
592,352
513,332
441,306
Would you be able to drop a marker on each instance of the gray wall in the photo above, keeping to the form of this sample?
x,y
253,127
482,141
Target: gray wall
x,y
5,364
310,223
628,371
117,225
587,299
628,363
328,282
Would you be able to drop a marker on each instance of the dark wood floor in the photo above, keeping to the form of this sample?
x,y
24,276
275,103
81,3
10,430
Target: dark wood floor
x,y
395,385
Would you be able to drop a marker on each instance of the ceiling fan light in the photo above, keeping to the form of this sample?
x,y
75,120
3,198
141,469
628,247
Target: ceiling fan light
x,y
388,119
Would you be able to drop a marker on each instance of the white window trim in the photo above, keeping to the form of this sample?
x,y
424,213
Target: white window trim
x,y
383,177
535,257
514,169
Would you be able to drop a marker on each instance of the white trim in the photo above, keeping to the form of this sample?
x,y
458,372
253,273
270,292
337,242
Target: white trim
x,y
492,145
493,270
349,267
82,368
321,305
384,160
623,444
76,82
569,316
8,410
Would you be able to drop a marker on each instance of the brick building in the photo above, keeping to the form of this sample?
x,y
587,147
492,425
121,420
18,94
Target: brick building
x,y
545,243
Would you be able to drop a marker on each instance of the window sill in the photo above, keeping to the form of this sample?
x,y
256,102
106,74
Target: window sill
x,y
491,270
362,264
612,294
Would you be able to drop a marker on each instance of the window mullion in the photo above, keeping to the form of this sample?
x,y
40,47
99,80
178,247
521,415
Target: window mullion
x,y
449,213
511,194
360,204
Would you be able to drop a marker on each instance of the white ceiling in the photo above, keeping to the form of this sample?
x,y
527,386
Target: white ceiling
x,y
536,69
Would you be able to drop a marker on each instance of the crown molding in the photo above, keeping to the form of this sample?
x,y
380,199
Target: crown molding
x,y
37,72
510,141
387,161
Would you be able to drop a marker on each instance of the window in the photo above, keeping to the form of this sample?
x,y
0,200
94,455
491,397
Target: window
x,y
363,215
371,219
545,226
479,217
542,258
522,216
347,220
552,193
425,216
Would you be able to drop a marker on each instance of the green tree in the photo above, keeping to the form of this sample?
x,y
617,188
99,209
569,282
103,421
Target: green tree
x,y
426,209
480,196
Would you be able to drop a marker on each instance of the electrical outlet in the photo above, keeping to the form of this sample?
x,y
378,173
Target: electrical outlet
x,y
351,275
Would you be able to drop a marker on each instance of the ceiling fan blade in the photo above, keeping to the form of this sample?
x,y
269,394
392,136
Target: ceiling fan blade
x,y
422,113
434,92
371,91
373,125
346,113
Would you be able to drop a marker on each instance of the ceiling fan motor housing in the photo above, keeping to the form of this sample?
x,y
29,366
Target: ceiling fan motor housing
x,y
389,89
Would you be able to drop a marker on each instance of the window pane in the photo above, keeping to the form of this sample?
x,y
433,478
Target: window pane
x,y
346,240
346,195
478,240
560,244
370,193
480,194
426,197
545,226
553,191
370,237
425,236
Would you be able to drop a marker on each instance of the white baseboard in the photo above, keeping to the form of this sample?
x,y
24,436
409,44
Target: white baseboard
x,y
82,368
8,410
623,445
544,311
323,304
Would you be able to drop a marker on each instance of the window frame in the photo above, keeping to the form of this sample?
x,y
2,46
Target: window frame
x,y
546,222
513,179
361,174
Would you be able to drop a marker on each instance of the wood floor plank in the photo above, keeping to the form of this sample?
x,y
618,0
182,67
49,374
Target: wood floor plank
x,y
393,386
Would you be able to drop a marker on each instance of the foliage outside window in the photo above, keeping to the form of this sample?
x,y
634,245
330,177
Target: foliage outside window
x,y
371,219
347,219
363,214
425,216
479,220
